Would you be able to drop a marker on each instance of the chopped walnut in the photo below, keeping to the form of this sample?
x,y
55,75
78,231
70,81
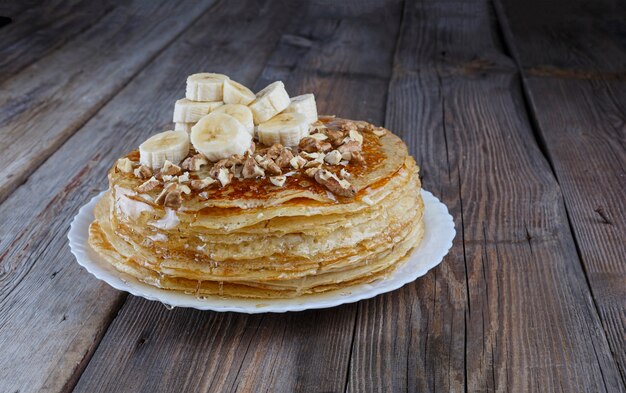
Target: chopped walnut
x,y
274,151
309,156
356,136
237,171
184,188
148,185
350,146
170,169
311,145
319,136
166,190
344,174
335,137
378,131
224,177
297,162
347,156
311,172
194,163
358,157
202,184
252,148
143,172
333,157
173,199
268,164
284,158
317,163
124,165
251,169
334,184
348,126
225,163
278,181
184,177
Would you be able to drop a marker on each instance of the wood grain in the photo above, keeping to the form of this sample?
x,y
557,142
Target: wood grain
x,y
573,39
275,352
38,30
51,98
578,103
509,308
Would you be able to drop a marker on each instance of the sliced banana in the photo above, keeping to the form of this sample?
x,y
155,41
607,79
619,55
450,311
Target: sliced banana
x,y
304,104
170,146
187,111
240,112
219,136
205,87
286,129
183,127
269,102
236,93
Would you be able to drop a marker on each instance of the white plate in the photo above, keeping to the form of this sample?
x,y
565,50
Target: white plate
x,y
435,245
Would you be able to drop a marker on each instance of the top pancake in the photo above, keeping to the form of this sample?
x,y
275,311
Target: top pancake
x,y
383,156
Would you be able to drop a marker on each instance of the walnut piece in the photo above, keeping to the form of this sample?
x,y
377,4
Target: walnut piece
x,y
335,137
297,162
124,165
333,157
173,199
224,177
334,184
202,184
356,136
311,172
311,145
278,181
284,158
148,185
194,163
274,151
268,164
251,169
143,172
170,169
349,147
166,190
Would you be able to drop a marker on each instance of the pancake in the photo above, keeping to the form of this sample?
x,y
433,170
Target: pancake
x,y
251,238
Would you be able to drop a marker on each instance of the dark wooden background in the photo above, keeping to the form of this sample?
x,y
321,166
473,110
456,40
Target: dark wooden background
x,y
516,111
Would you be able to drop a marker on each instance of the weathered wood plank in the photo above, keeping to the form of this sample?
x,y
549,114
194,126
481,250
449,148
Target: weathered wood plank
x,y
574,38
580,117
51,98
39,29
288,352
509,309
52,312
582,126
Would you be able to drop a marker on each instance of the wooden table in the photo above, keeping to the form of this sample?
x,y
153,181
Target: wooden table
x,y
516,112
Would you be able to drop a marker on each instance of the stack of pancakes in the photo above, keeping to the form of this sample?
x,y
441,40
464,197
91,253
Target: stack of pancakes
x,y
252,239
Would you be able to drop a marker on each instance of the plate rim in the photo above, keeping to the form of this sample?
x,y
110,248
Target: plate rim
x,y
102,270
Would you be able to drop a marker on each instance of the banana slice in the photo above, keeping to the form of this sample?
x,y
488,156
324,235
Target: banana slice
x,y
269,102
240,112
187,111
236,93
219,136
286,129
304,104
170,146
205,87
183,127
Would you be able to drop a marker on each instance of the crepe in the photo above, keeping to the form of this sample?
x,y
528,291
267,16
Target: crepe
x,y
253,239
